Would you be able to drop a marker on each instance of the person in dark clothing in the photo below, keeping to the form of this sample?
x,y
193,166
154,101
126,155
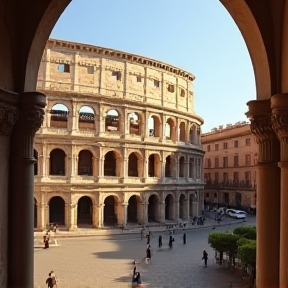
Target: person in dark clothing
x,y
170,241
205,257
134,270
46,239
148,255
148,238
160,241
49,281
184,238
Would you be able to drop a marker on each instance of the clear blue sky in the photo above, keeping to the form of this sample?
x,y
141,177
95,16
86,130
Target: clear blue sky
x,y
196,35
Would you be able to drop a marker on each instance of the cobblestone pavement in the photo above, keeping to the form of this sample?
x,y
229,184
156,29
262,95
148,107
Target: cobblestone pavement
x,y
107,261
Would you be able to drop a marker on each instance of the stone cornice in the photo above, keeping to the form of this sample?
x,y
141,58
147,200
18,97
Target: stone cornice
x,y
111,53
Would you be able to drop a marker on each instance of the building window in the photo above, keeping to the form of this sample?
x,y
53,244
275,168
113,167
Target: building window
x,y
236,144
138,78
248,159
236,161
64,68
208,163
247,177
171,88
248,141
235,176
182,92
216,147
216,176
117,75
225,162
90,69
225,176
216,163
225,145
156,83
208,148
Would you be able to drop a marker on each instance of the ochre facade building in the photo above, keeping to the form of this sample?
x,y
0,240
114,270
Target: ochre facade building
x,y
230,172
120,142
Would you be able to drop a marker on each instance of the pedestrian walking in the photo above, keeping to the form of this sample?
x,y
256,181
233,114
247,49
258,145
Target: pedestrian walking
x,y
148,255
148,238
170,241
49,281
160,241
46,239
54,279
184,238
205,257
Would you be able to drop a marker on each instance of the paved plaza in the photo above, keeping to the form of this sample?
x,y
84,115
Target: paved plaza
x,y
107,261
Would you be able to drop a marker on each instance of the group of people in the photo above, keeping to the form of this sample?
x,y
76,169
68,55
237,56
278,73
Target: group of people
x,y
52,280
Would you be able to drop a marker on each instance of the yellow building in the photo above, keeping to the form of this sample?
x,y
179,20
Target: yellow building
x,y
230,166
120,142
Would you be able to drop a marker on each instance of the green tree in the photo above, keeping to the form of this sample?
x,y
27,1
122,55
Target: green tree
x,y
248,232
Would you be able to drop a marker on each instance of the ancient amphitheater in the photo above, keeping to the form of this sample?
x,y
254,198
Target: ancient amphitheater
x,y
120,142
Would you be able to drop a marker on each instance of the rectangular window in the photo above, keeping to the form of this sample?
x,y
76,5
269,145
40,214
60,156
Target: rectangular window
x,y
182,92
171,88
216,147
208,163
64,68
216,176
157,83
208,148
236,161
90,69
235,176
225,176
138,78
225,162
248,159
248,141
236,144
225,145
216,163
117,75
247,177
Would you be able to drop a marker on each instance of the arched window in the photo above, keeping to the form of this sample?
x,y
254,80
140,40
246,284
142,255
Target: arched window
x,y
133,165
36,163
168,167
181,166
154,169
85,163
57,162
86,118
182,132
112,121
59,116
134,123
154,126
192,135
111,164
170,129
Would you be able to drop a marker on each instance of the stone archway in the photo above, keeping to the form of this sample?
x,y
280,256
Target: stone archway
x,y
132,209
84,211
153,208
169,207
110,211
182,206
35,213
57,210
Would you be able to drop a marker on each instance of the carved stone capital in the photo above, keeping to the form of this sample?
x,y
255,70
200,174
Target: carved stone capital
x,y
8,117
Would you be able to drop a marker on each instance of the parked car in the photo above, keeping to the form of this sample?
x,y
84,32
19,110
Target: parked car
x,y
237,214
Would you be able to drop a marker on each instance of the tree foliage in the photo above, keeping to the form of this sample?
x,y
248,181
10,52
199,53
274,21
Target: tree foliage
x,y
247,253
224,242
248,232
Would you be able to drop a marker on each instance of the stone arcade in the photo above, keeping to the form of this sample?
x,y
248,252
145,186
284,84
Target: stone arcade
x,y
25,27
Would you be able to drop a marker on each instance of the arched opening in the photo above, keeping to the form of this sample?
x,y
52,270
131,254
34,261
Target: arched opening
x,y
168,172
154,126
35,213
153,208
134,124
84,211
154,166
85,166
181,206
111,164
59,116
170,129
181,167
57,210
112,121
169,207
133,165
191,168
110,211
36,163
182,132
86,118
192,135
57,162
132,209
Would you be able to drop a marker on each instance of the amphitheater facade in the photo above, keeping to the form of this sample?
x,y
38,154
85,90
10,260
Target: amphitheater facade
x,y
120,142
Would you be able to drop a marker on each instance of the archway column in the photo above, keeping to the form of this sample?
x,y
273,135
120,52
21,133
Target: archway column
x,y
122,213
21,190
72,217
176,210
98,215
268,194
162,211
279,105
95,167
186,208
142,213
42,210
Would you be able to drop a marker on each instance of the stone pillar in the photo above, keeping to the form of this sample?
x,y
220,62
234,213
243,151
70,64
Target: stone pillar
x,y
162,212
41,216
142,213
122,213
163,165
98,215
279,105
186,208
21,190
145,164
268,194
72,216
101,167
75,76
95,167
176,209
47,74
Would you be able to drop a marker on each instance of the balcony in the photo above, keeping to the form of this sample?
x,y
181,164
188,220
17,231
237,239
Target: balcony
x,y
229,184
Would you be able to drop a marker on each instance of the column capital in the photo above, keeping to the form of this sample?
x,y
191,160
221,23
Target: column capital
x,y
8,117
261,127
